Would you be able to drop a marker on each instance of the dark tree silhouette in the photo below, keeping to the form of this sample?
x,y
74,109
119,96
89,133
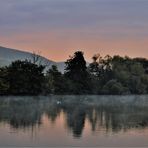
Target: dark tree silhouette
x,y
4,85
108,75
76,66
55,80
76,72
25,77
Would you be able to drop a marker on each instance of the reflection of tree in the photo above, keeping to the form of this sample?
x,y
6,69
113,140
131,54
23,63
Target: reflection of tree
x,y
20,114
93,117
24,117
122,118
112,117
76,119
28,112
52,111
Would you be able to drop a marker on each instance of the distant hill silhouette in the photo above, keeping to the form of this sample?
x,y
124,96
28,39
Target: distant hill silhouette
x,y
7,55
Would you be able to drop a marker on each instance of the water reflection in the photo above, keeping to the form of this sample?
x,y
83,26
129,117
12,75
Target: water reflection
x,y
111,113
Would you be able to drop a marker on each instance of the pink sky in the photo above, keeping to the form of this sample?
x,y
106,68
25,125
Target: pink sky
x,y
58,28
58,46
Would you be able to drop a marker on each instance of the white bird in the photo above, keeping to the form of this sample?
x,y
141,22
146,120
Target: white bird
x,y
59,102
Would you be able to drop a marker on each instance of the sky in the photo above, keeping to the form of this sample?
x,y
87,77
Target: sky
x,y
57,28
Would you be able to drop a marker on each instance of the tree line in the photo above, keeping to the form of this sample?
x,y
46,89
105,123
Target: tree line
x,y
105,75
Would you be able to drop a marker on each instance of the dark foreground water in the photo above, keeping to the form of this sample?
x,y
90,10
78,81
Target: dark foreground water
x,y
63,121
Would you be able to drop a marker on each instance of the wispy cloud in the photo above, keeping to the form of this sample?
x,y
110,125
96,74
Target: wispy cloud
x,y
74,19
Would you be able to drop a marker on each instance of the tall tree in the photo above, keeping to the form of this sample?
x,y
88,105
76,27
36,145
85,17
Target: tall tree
x,y
76,72
76,66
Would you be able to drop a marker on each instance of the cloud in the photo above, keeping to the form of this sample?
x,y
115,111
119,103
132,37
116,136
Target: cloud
x,y
72,13
77,21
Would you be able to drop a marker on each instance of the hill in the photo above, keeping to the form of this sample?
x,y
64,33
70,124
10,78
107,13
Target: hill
x,y
7,55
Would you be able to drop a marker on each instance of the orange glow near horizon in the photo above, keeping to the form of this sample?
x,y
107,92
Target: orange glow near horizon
x,y
59,28
57,46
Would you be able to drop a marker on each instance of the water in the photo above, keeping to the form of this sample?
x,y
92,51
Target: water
x,y
64,121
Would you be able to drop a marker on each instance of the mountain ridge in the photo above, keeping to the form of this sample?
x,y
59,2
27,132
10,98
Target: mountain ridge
x,y
8,55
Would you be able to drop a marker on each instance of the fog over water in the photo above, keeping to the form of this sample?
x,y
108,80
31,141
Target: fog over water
x,y
74,121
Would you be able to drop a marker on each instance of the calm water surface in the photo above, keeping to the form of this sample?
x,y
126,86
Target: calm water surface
x,y
74,121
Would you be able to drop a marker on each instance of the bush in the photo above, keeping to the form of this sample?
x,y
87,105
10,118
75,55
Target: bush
x,y
113,87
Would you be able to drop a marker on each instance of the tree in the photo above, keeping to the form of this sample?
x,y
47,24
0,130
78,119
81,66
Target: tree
x,y
56,81
37,59
25,78
143,62
113,87
129,73
101,72
76,66
4,85
101,67
76,72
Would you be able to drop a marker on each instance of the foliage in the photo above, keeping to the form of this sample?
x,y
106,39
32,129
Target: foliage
x,y
113,87
55,80
25,77
4,85
121,75
77,74
105,75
